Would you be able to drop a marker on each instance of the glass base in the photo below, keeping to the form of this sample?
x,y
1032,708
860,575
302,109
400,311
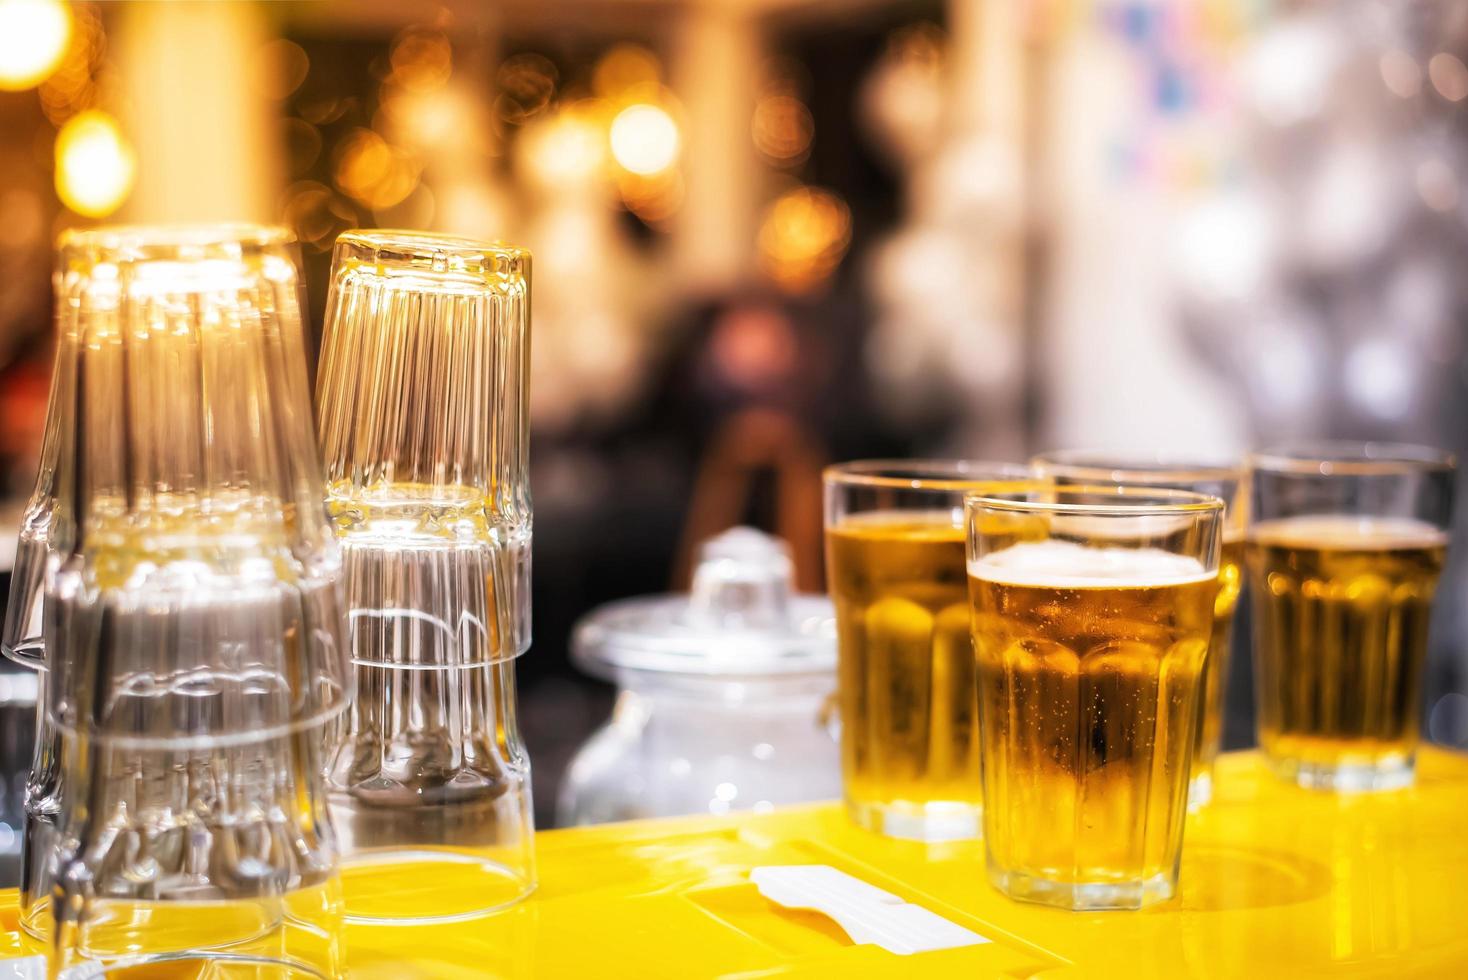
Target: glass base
x,y
935,820
422,887
120,929
215,966
35,920
1394,772
1200,790
1084,896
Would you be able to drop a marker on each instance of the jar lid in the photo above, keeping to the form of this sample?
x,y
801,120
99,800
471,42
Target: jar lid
x,y
741,619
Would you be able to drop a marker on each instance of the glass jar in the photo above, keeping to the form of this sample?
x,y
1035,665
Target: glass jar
x,y
724,694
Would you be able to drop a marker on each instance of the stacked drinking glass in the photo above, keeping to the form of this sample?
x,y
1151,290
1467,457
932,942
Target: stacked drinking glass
x,y
421,396
181,589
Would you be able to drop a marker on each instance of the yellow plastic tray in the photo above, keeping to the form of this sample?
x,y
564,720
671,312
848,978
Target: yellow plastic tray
x,y
1276,882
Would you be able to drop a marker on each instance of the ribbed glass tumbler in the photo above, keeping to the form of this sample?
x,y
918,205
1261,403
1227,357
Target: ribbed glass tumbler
x,y
21,640
421,401
193,615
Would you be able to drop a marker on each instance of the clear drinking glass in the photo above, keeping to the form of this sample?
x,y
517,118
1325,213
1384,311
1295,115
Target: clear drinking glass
x,y
20,637
193,614
1092,611
1344,551
1221,478
421,399
905,663
21,641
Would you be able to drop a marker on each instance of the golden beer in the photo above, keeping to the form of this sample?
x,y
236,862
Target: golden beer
x,y
1341,606
909,737
1215,671
1219,477
1090,672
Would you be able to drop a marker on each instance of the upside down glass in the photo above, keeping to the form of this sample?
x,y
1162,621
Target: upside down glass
x,y
21,640
1092,611
421,400
1221,478
1344,554
905,674
193,615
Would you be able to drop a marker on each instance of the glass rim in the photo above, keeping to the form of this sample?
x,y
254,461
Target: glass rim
x,y
162,240
1138,501
393,246
1138,468
1352,458
930,474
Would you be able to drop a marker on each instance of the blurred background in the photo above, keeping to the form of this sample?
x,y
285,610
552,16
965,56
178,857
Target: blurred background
x,y
769,234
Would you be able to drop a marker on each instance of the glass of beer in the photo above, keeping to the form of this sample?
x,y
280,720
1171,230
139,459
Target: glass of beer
x,y
895,570
1221,478
1344,551
1092,613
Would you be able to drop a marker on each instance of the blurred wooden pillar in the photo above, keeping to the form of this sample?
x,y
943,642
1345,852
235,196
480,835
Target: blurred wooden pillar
x,y
987,56
203,130
987,88
715,65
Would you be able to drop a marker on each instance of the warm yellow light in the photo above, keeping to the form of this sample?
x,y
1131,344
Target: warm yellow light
x,y
375,172
33,38
623,68
803,237
95,166
567,149
782,128
644,139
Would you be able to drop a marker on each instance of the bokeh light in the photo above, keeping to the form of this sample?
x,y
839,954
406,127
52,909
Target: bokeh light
x,y
95,164
1400,73
75,83
302,142
654,198
280,68
566,149
782,129
316,214
623,68
424,120
1449,76
373,171
527,85
421,60
644,139
34,35
803,237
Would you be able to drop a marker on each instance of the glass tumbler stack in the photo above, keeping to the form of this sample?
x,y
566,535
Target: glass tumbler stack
x,y
191,624
421,401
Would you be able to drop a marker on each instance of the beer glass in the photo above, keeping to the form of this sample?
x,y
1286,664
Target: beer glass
x,y
1221,478
421,400
905,676
193,615
1092,612
1344,551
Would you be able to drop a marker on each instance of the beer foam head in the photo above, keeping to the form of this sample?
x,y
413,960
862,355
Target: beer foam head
x,y
1066,565
1349,532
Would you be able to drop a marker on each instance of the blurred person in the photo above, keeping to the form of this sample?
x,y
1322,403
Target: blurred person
x,y
761,396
